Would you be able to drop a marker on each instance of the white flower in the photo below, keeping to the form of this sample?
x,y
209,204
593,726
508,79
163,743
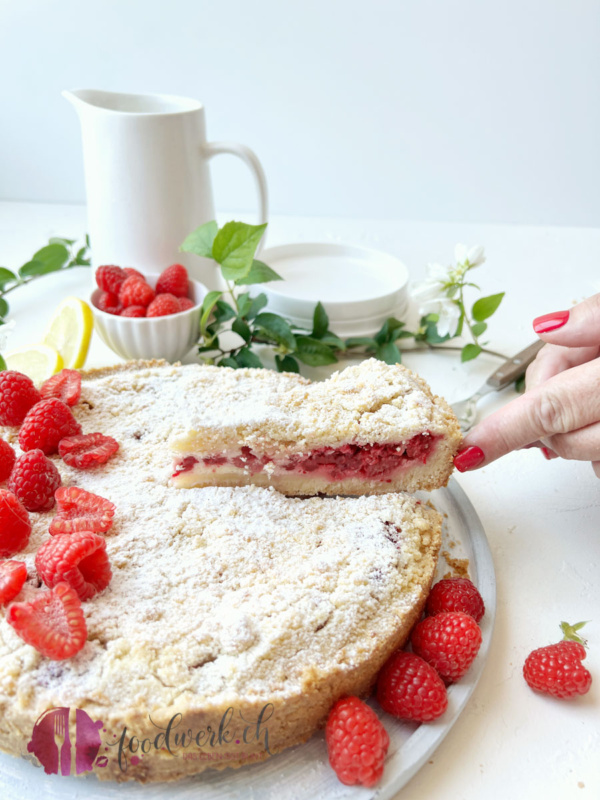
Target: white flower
x,y
5,331
473,256
434,286
431,297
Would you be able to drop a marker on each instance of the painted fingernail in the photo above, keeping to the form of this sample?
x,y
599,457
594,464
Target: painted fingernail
x,y
549,454
550,322
469,458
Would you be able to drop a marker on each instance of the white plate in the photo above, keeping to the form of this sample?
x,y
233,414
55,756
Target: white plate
x,y
303,771
359,287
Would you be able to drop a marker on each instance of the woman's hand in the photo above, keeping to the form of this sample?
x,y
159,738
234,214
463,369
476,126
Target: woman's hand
x,y
560,410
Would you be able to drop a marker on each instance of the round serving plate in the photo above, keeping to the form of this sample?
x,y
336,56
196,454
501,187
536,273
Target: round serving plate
x,y
303,771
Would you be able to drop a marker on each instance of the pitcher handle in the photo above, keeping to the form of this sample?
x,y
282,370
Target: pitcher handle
x,y
250,158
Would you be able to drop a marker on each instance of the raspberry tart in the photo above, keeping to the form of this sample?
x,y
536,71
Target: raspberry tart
x,y
217,598
369,429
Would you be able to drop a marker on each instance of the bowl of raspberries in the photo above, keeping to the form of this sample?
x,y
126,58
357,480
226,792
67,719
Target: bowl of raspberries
x,y
147,316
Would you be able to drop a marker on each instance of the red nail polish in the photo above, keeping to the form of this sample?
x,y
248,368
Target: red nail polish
x,y
550,322
469,458
549,454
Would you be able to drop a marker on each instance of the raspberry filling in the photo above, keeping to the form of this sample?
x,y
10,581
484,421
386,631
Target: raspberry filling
x,y
370,461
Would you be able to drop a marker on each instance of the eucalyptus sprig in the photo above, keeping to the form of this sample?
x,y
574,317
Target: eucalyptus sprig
x,y
58,254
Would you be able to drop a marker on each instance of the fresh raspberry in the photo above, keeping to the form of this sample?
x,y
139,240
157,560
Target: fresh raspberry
x,y
65,385
456,594
410,688
7,460
15,526
133,311
557,669
34,480
133,273
173,280
13,575
449,642
53,623
79,510
356,742
185,304
87,451
163,305
109,302
110,278
46,424
79,559
135,292
17,396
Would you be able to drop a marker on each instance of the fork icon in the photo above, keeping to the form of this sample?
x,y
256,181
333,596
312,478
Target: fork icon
x,y
63,745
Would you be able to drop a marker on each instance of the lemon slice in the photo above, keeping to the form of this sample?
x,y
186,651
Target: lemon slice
x,y
70,331
38,361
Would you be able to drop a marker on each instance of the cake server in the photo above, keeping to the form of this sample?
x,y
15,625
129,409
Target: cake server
x,y
513,368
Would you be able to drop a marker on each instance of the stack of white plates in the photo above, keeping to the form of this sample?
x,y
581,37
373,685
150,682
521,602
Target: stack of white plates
x,y
359,288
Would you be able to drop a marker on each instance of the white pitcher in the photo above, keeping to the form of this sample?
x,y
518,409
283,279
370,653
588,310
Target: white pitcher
x,y
147,178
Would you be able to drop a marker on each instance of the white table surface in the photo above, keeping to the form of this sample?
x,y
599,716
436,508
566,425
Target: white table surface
x,y
542,518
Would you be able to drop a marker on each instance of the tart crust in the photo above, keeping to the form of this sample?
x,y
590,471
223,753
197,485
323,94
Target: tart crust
x,y
221,598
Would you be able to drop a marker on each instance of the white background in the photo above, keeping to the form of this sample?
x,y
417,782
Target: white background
x,y
468,110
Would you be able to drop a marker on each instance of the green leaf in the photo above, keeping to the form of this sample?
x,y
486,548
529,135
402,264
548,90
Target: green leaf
x,y
53,257
59,240
246,358
259,273
3,308
241,327
234,247
333,340
256,306
320,321
31,268
227,361
287,364
387,330
80,259
469,352
208,304
201,240
243,304
361,341
485,306
388,352
276,328
223,312
432,336
478,328
2,363
520,384
313,352
6,276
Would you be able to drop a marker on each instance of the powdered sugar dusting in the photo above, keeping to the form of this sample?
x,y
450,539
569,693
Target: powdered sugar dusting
x,y
216,592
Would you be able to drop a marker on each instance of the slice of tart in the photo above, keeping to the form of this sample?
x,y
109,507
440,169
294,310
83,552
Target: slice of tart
x,y
372,428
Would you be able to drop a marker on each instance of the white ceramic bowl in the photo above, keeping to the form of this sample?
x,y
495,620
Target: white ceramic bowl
x,y
359,287
169,337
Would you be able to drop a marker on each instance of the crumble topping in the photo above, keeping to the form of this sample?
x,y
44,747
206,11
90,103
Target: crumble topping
x,y
221,592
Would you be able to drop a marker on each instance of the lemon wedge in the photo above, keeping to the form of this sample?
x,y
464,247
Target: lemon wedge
x,y
38,361
70,330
